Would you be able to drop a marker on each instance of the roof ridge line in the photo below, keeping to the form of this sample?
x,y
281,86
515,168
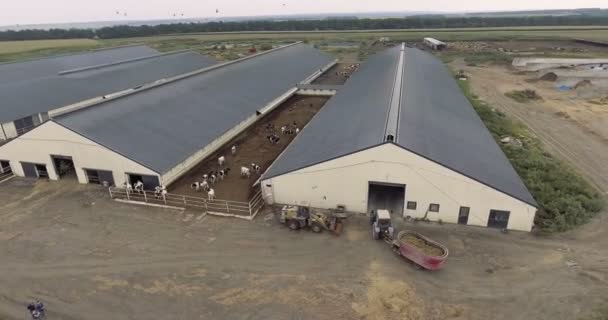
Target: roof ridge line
x,y
391,129
115,63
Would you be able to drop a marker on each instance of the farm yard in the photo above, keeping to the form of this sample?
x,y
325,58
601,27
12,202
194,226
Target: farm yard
x,y
86,256
338,74
80,252
252,146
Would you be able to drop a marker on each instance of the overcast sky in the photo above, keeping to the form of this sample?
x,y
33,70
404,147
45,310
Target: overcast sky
x,y
53,11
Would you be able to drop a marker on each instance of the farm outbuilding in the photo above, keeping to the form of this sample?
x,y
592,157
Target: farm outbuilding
x,y
435,44
400,135
158,133
36,90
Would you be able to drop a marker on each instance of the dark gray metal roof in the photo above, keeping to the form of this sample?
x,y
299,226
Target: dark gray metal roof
x,y
161,127
15,72
51,92
436,121
352,120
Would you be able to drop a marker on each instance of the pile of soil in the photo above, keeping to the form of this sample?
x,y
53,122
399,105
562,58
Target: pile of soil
x,y
428,248
549,77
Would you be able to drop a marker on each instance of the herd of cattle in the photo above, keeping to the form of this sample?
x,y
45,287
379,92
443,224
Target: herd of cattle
x,y
217,175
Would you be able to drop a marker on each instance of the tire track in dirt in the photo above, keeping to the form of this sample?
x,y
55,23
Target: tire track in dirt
x,y
567,140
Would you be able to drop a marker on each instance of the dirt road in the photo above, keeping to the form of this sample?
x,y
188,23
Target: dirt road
x,y
88,257
567,127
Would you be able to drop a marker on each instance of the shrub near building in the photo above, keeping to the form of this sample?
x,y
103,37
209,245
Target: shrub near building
x,y
566,200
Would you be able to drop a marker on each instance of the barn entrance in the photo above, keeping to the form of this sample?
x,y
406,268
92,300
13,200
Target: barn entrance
x,y
150,182
386,196
5,167
102,177
34,170
498,219
64,166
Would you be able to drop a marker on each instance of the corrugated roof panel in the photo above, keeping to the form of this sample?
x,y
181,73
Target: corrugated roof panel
x,y
439,123
354,119
163,126
15,72
50,92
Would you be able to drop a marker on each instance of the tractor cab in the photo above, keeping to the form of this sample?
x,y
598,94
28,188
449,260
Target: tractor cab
x,y
382,226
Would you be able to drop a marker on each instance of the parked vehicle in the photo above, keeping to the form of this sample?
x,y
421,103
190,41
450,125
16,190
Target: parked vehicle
x,y
422,251
382,227
297,217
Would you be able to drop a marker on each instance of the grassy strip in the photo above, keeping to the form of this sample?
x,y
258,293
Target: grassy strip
x,y
566,200
40,53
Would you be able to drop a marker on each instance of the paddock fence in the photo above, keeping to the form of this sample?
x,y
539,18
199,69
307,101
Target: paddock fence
x,y
5,173
218,207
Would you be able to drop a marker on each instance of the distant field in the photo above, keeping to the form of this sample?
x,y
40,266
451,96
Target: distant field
x,y
556,33
21,46
19,50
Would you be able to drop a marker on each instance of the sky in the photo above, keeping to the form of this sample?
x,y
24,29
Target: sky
x,y
14,12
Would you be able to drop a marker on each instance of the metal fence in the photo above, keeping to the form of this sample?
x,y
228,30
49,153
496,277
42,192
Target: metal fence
x,y
5,173
244,210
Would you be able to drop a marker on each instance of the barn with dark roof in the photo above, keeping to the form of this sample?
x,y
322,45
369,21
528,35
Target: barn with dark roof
x,y
159,131
400,135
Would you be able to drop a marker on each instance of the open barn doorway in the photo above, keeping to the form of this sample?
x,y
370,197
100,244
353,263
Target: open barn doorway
x,y
149,182
386,196
64,166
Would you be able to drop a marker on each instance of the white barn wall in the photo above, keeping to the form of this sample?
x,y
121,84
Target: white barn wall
x,y
48,139
345,181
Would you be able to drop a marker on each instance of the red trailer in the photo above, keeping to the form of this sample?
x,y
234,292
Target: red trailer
x,y
419,249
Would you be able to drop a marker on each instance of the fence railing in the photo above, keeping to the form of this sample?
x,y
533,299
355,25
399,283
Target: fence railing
x,y
238,209
5,173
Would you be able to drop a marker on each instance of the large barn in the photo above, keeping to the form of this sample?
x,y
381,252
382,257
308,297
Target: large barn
x,y
400,135
158,133
35,90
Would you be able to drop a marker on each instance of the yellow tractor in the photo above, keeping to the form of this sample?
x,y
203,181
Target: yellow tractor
x,y
297,217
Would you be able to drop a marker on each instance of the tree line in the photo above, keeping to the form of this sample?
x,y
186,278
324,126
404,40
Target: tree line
x,y
415,22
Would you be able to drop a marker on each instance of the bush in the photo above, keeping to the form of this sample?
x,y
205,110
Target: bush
x,y
523,96
566,200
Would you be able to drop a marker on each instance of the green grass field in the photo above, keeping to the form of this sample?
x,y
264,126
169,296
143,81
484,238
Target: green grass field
x,y
495,34
17,50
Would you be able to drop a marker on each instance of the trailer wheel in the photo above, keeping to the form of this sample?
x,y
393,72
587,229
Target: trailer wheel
x,y
293,224
316,228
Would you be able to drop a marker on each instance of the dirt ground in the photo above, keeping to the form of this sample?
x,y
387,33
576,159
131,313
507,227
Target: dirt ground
x,y
522,47
87,257
338,74
252,147
571,127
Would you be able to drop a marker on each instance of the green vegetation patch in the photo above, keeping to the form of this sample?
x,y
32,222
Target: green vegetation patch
x,y
523,96
566,200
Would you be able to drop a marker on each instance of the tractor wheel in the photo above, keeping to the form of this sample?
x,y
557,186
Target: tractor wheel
x,y
375,235
293,224
316,228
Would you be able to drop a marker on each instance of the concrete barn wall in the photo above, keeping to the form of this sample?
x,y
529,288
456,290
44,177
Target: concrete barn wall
x,y
48,139
179,170
344,181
